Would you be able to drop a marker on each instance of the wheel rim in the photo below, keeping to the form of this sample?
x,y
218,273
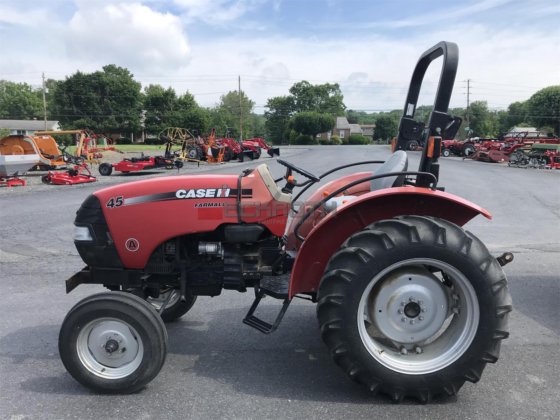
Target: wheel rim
x,y
417,321
162,298
110,348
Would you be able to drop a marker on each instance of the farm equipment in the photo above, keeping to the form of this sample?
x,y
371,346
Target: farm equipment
x,y
79,173
541,155
14,165
167,161
258,142
45,148
85,140
409,304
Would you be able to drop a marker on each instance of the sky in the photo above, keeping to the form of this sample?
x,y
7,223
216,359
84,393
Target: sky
x,y
509,49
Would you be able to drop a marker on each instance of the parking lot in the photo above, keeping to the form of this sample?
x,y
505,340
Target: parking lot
x,y
218,367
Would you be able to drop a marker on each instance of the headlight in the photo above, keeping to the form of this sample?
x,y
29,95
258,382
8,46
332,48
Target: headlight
x,y
82,233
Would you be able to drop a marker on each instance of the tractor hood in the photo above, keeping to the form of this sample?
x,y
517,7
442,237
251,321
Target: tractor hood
x,y
171,188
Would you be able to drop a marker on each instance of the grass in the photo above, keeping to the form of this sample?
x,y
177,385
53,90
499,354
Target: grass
x,y
129,148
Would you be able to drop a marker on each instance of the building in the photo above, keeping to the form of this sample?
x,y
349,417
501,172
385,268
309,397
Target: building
x,y
28,127
343,130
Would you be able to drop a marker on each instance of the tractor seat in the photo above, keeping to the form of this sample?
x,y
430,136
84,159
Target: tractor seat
x,y
397,162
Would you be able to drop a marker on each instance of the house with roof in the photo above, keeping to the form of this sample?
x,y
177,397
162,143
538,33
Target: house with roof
x,y
343,129
28,127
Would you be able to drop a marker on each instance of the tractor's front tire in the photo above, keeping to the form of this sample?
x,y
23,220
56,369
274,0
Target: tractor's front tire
x,y
413,307
113,342
105,169
175,307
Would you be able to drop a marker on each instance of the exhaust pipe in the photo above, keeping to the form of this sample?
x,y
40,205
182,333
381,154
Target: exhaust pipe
x,y
273,151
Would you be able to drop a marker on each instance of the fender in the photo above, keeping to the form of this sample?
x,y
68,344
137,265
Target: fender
x,y
329,234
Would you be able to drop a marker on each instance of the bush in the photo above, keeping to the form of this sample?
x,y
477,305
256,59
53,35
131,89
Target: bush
x,y
325,142
357,139
304,139
336,140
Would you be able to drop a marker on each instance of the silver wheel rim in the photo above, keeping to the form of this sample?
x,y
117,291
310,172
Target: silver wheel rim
x,y
110,348
417,321
162,298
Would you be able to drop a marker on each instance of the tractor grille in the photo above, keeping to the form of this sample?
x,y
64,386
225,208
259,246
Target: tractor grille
x,y
100,252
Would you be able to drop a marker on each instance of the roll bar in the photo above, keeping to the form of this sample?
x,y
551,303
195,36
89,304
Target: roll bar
x,y
440,120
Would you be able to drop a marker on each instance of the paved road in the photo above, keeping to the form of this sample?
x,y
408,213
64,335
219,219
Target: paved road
x,y
219,368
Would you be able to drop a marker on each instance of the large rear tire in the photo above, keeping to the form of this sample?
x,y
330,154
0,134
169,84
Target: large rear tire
x,y
413,307
468,149
113,342
175,307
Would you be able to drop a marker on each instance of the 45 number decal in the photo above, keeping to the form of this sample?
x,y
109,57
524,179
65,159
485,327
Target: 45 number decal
x,y
115,202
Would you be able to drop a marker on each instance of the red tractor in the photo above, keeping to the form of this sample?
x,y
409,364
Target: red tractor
x,y
409,304
260,143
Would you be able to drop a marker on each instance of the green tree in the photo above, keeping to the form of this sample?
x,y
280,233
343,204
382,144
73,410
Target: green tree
x,y
20,101
483,122
107,100
160,106
325,98
359,117
386,125
278,113
544,108
313,123
234,109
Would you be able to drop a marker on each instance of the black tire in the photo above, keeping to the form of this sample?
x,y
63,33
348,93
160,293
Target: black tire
x,y
228,155
46,179
178,164
468,149
446,152
175,308
105,169
135,323
356,280
257,154
412,145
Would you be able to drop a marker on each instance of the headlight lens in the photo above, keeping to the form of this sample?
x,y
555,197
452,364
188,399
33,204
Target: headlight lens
x,y
82,233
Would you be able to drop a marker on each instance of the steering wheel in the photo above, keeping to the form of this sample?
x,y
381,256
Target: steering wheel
x,y
300,171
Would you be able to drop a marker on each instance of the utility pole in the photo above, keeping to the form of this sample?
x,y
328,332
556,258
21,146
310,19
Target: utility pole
x,y
467,115
240,109
44,102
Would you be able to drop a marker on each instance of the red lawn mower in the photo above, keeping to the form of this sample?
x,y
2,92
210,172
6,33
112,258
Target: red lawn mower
x,y
79,173
409,304
141,163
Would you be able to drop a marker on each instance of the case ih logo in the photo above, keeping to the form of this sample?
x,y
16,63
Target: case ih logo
x,y
204,193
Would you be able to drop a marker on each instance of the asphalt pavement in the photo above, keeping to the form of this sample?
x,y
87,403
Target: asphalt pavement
x,y
218,367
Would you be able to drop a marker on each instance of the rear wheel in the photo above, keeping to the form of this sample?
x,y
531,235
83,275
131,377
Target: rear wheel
x,y
175,307
113,342
413,307
46,179
412,145
105,169
468,149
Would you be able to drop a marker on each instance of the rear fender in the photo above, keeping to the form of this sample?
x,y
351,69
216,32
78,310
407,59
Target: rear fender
x,y
329,234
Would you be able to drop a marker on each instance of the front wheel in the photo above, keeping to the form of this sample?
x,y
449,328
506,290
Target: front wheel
x,y
446,152
113,342
413,307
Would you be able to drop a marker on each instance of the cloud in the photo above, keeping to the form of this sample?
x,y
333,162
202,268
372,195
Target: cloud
x,y
216,11
128,34
445,15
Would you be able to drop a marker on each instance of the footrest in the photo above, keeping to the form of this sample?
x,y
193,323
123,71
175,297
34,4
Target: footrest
x,y
257,323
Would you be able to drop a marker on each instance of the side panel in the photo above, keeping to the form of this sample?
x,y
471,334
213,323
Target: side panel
x,y
329,234
141,215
